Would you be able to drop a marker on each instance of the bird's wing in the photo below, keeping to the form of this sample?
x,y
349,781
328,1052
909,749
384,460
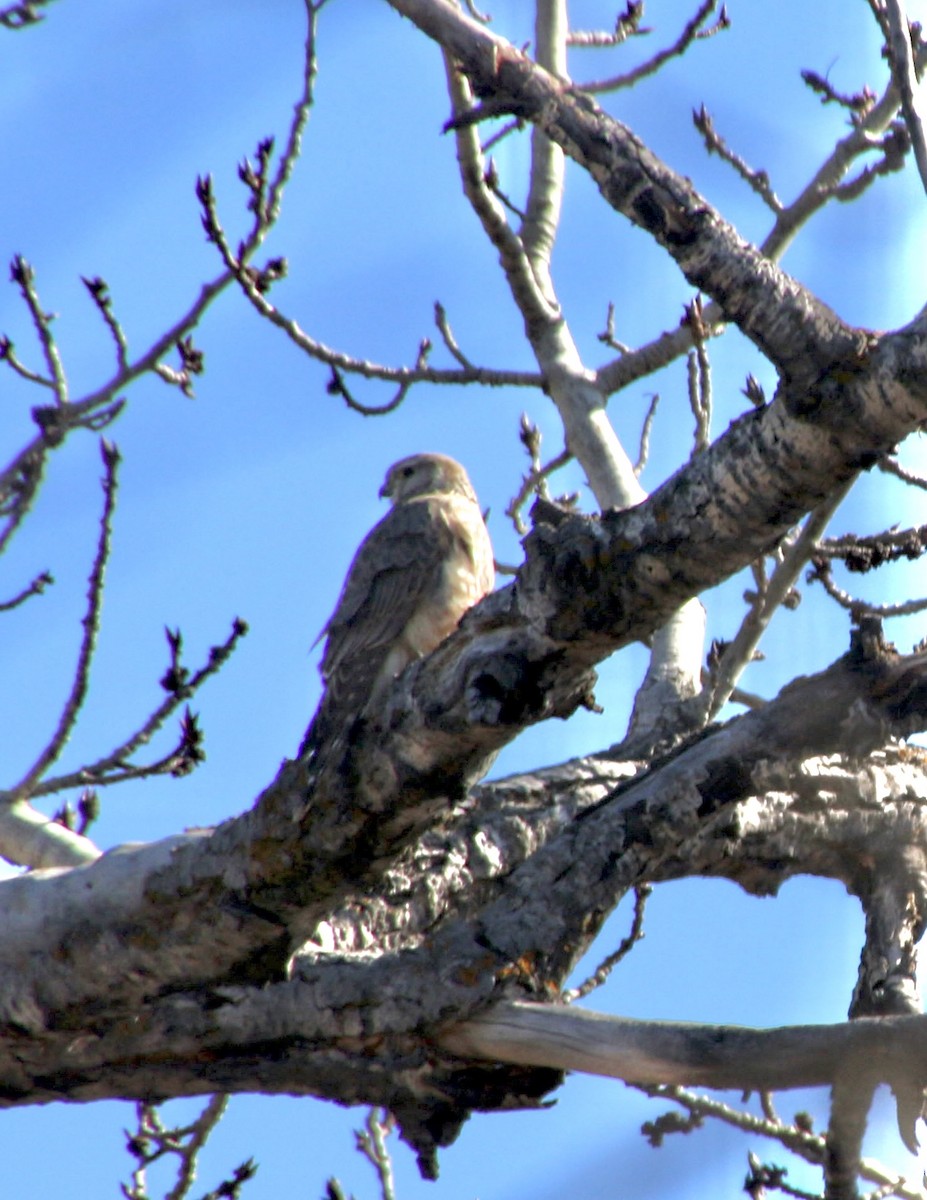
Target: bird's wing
x,y
396,569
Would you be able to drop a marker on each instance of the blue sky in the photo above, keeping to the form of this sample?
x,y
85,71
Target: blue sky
x,y
250,499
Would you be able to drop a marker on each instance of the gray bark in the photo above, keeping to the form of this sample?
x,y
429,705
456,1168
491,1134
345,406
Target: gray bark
x,y
329,941
499,898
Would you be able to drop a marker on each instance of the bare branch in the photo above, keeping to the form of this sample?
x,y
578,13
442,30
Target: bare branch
x,y
338,387
20,480
675,1053
796,1138
905,76
191,363
180,685
715,144
23,275
821,573
862,554
91,623
866,135
607,336
766,1176
824,185
627,24
692,31
447,336
699,377
99,293
535,481
371,1142
738,654
35,588
643,452
340,362
153,1141
264,203
891,466
8,355
628,942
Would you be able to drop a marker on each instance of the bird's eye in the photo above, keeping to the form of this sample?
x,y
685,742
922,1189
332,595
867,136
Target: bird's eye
x,y
407,471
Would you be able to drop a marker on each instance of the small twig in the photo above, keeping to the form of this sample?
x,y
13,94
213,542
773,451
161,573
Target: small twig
x,y
669,346
627,25
868,553
607,336
35,588
91,624
337,387
535,481
715,144
821,573
8,355
23,276
798,1137
191,363
371,1142
692,32
180,685
491,179
740,651
894,146
339,362
447,335
643,452
891,466
265,199
516,263
291,151
19,481
19,489
88,810
99,293
199,1131
858,103
768,1107
152,1141
626,945
905,75
765,1176
741,696
699,376
803,1142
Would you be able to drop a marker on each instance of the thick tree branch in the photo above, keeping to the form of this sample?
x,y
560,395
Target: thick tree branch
x,y
716,1056
539,880
588,586
528,915
772,309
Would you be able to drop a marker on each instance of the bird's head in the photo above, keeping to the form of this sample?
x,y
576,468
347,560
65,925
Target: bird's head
x,y
425,475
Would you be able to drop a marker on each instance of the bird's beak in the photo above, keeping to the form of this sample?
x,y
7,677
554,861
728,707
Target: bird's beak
x,y
384,492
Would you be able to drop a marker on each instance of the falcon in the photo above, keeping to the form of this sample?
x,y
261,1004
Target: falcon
x,y
413,577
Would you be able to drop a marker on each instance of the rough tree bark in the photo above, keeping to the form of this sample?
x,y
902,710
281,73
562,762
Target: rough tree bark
x,y
373,916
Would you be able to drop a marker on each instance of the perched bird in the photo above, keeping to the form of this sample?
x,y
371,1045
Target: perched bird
x,y
413,577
